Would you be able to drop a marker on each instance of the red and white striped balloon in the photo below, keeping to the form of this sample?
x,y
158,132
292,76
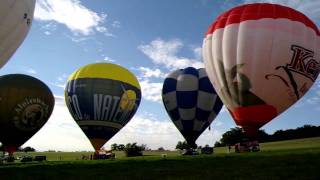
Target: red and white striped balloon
x,y
261,58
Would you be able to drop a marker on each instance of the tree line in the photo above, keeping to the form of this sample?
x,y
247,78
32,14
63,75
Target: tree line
x,y
235,135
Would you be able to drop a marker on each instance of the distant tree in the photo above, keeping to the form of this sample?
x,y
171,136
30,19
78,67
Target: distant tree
x,y
133,149
160,149
183,145
114,147
233,136
217,144
143,147
263,136
121,147
179,145
28,149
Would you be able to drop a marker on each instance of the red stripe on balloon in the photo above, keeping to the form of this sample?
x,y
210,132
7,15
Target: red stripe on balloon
x,y
259,11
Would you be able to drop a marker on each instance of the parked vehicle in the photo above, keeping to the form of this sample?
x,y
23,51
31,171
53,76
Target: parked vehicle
x,y
26,159
207,150
101,154
40,158
249,146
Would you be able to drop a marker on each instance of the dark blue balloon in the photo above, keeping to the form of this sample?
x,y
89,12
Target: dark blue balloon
x,y
190,101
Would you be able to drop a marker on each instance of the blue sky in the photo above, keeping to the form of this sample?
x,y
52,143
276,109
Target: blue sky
x,y
150,38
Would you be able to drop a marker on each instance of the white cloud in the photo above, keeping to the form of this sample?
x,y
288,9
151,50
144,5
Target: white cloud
x,y
61,81
315,99
47,33
209,137
148,131
116,24
106,58
79,19
49,28
31,71
311,8
166,53
197,53
151,90
78,39
149,73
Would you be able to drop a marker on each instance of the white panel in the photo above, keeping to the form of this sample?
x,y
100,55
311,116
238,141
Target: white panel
x,y
170,100
206,100
187,82
187,114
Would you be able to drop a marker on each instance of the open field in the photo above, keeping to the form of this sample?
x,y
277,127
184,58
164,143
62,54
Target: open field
x,y
295,159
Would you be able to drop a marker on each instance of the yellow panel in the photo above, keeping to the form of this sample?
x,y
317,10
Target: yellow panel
x,y
106,71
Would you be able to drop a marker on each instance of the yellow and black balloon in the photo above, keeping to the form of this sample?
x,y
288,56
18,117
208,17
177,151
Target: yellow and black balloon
x,y
102,98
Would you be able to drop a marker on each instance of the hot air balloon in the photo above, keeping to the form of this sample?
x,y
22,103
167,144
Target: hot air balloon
x,y
102,98
190,101
15,22
261,59
26,104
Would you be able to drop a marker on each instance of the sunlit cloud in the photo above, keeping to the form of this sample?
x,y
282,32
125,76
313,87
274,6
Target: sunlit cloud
x,y
166,53
116,24
150,73
108,59
71,13
31,71
151,90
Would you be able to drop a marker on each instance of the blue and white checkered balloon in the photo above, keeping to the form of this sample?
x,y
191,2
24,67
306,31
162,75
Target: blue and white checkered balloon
x,y
190,101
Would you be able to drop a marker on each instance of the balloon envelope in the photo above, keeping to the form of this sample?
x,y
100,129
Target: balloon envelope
x,y
102,98
190,101
15,22
261,58
26,104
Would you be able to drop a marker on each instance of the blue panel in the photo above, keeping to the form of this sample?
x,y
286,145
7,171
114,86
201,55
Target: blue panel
x,y
174,114
205,85
187,99
191,70
204,127
202,115
187,125
218,105
169,85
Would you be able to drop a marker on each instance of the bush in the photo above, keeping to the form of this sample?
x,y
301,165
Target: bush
x,y
133,149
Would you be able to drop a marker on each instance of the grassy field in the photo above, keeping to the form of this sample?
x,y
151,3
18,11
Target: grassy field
x,y
296,159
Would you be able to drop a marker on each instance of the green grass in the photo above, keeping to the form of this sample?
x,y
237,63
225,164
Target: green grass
x,y
296,159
